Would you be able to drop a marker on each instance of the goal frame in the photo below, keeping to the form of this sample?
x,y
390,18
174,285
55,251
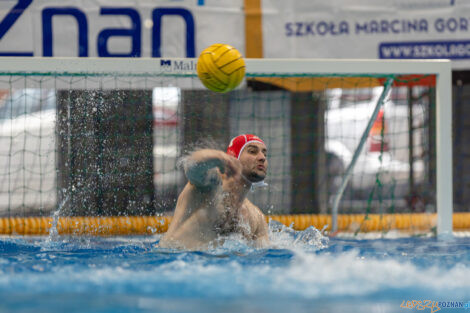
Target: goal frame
x,y
187,67
443,71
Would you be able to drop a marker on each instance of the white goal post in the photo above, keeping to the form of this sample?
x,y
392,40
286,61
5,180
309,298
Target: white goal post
x,y
187,67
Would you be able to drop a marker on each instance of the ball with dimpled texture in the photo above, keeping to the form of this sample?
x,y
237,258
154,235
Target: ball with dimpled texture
x,y
221,67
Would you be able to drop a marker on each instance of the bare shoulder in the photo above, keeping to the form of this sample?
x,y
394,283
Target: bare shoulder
x,y
258,224
256,215
253,208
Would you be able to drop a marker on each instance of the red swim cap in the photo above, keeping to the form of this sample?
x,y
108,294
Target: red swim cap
x,y
239,143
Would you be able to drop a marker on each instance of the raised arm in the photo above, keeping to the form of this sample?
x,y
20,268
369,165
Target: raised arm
x,y
203,167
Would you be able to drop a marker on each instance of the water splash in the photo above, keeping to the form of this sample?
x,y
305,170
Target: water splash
x,y
366,270
286,237
53,230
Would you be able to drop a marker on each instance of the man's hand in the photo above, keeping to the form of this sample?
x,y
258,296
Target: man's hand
x,y
203,167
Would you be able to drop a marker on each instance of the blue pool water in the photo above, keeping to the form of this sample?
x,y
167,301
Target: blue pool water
x,y
302,272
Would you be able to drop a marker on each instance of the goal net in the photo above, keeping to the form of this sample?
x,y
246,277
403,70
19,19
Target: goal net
x,y
87,137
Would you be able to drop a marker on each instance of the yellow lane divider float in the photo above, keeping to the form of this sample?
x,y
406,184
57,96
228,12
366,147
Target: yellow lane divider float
x,y
148,225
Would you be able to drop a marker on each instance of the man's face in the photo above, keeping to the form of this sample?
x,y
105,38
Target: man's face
x,y
254,162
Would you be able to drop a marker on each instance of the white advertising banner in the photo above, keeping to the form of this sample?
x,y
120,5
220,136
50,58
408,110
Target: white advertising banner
x,y
368,29
124,28
383,29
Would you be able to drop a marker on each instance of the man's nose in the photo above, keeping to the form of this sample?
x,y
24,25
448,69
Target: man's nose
x,y
261,156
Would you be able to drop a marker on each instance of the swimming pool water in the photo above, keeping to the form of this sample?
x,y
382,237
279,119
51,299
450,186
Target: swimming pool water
x,y
302,272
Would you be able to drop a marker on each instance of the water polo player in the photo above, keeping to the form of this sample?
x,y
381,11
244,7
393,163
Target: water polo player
x,y
213,203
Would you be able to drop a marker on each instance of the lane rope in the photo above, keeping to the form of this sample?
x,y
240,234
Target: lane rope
x,y
148,225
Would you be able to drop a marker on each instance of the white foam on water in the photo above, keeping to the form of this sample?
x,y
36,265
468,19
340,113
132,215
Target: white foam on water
x,y
296,265
348,274
306,275
283,237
